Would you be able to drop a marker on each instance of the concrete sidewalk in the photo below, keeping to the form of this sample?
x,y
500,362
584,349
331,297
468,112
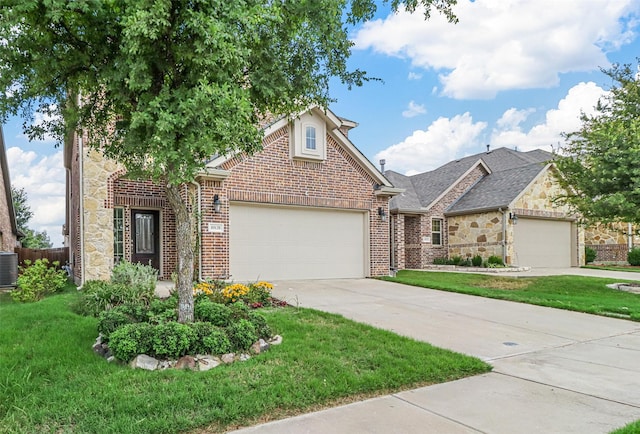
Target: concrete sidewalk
x,y
554,371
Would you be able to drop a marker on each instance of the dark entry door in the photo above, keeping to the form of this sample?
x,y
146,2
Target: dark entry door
x,y
146,237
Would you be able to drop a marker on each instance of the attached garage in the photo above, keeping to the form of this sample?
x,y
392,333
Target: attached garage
x,y
284,243
544,243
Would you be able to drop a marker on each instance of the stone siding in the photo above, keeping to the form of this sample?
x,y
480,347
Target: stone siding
x,y
611,241
476,234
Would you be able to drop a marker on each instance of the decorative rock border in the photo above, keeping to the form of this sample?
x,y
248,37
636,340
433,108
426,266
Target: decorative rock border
x,y
627,287
199,362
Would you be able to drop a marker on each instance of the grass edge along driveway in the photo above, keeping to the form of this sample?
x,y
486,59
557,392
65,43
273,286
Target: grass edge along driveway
x,y
577,293
51,381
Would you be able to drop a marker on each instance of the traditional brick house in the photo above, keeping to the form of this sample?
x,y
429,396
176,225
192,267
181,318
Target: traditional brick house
x,y
495,203
613,241
9,234
308,205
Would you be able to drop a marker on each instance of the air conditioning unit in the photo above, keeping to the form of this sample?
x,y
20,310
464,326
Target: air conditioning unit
x,y
8,269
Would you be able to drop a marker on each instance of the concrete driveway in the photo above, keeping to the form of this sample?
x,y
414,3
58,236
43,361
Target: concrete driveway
x,y
554,371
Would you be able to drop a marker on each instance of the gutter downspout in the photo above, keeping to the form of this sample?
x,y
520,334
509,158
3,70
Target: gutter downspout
x,y
83,264
630,236
504,236
199,186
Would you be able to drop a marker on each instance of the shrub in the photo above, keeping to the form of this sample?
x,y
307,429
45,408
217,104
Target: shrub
x,y
476,261
239,310
494,261
172,339
37,279
209,339
440,261
633,257
215,313
99,295
242,334
456,260
260,323
141,278
589,254
112,319
130,340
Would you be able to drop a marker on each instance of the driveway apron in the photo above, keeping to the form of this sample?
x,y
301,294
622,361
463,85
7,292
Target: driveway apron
x,y
554,371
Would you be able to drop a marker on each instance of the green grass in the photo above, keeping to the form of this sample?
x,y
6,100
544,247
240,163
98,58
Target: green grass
x,y
632,428
613,268
51,381
582,294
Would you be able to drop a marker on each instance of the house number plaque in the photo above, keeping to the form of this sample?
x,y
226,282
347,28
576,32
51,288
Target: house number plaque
x,y
216,228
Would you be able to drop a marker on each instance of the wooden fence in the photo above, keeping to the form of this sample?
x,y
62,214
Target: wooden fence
x,y
60,254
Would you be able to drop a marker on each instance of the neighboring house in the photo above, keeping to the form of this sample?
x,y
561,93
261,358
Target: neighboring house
x,y
613,241
498,203
308,205
9,234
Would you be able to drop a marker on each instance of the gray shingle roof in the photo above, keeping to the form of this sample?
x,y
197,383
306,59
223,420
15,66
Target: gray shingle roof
x,y
496,190
493,190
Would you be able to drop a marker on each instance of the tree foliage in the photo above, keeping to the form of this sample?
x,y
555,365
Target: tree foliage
x,y
600,164
162,85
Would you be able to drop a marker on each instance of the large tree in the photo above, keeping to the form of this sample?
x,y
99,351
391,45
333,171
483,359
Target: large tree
x,y
600,163
161,85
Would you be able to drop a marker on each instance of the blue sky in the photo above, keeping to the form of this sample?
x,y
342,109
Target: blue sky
x,y
511,73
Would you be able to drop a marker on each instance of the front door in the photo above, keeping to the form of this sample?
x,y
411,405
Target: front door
x,y
146,236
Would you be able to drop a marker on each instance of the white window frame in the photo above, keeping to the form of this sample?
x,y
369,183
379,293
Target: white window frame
x,y
299,149
434,232
118,234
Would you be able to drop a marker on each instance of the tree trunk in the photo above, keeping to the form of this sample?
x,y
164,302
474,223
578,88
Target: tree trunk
x,y
185,246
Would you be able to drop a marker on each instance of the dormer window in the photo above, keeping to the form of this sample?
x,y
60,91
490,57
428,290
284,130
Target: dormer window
x,y
308,137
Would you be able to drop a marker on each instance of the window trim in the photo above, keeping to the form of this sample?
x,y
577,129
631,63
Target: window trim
x,y
438,232
298,138
118,253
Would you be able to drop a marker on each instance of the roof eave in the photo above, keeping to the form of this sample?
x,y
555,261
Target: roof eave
x,y
477,210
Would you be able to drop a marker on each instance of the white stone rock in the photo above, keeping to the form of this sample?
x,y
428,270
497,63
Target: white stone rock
x,y
228,358
276,340
143,361
208,362
244,357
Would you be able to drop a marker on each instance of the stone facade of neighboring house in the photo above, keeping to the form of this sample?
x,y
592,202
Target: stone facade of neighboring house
x,y
497,203
613,241
9,233
308,205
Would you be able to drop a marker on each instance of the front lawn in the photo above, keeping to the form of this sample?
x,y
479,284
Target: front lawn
x,y
626,268
51,381
582,294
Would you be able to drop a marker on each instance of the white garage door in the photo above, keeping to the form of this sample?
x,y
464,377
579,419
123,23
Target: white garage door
x,y
543,243
271,243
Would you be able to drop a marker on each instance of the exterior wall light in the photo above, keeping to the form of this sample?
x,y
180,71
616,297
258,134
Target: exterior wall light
x,y
382,214
216,203
513,218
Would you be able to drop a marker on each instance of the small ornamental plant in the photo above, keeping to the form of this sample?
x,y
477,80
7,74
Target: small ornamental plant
x,y
235,292
205,288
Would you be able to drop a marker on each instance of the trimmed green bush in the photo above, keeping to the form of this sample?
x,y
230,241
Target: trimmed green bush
x,y
141,278
440,261
172,339
99,295
633,257
130,340
476,261
216,341
239,310
242,334
38,279
455,260
494,260
112,319
260,323
589,255
215,313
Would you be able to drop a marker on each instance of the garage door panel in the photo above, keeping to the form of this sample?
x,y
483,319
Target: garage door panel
x,y
543,243
295,243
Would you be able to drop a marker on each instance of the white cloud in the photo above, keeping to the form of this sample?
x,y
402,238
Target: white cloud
x,y
563,119
414,76
499,45
43,178
440,143
414,110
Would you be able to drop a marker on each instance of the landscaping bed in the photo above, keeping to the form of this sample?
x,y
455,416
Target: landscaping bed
x,y
52,381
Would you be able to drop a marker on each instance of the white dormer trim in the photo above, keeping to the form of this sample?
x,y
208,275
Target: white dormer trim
x,y
308,140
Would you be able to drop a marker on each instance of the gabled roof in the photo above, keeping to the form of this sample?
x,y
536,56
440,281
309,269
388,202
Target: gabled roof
x,y
493,190
334,123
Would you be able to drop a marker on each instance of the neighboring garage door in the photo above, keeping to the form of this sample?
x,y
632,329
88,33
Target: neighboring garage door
x,y
543,243
268,242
